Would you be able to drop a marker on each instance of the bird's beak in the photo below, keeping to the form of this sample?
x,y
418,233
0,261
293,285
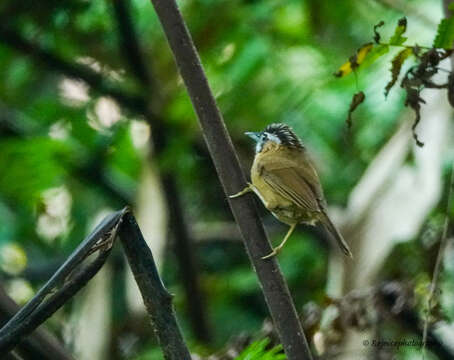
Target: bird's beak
x,y
253,135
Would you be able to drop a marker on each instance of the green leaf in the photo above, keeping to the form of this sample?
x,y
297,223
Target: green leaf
x,y
396,66
445,34
397,38
30,166
369,54
257,351
377,52
248,60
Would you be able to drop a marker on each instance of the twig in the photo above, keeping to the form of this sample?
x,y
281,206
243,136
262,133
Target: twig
x,y
48,300
444,236
410,321
232,178
431,299
157,299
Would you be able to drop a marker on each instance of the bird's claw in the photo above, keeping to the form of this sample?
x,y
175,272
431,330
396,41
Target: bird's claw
x,y
247,189
275,251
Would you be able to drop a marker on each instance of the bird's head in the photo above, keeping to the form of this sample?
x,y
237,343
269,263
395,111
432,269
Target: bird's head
x,y
277,134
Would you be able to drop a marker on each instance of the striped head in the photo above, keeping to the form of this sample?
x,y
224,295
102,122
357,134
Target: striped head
x,y
279,134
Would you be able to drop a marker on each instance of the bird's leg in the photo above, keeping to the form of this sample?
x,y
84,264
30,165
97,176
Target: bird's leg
x,y
277,249
247,189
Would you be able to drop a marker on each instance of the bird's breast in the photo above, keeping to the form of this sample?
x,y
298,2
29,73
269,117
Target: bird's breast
x,y
266,193
283,209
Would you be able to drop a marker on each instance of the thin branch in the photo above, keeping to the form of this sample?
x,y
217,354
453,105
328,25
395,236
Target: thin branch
x,y
444,236
48,300
157,299
408,318
432,297
232,178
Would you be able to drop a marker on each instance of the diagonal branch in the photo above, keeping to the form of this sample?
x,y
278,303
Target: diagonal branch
x,y
62,285
41,344
274,287
70,280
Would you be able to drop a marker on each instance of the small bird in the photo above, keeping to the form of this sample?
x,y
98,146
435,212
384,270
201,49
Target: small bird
x,y
285,180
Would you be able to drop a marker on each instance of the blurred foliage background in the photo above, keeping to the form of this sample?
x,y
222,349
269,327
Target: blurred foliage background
x,y
72,150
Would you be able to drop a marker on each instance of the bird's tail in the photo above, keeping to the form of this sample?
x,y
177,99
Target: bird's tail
x,y
329,226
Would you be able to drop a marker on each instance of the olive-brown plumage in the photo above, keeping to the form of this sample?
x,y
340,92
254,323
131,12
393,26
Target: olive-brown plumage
x,y
285,180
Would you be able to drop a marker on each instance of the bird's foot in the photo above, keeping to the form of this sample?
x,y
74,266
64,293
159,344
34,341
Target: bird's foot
x,y
247,189
277,249
273,253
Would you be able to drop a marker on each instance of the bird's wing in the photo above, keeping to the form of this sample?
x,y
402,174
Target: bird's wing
x,y
298,182
310,176
289,182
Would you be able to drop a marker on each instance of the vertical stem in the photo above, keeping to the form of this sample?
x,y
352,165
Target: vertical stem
x,y
444,235
157,299
438,263
232,178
